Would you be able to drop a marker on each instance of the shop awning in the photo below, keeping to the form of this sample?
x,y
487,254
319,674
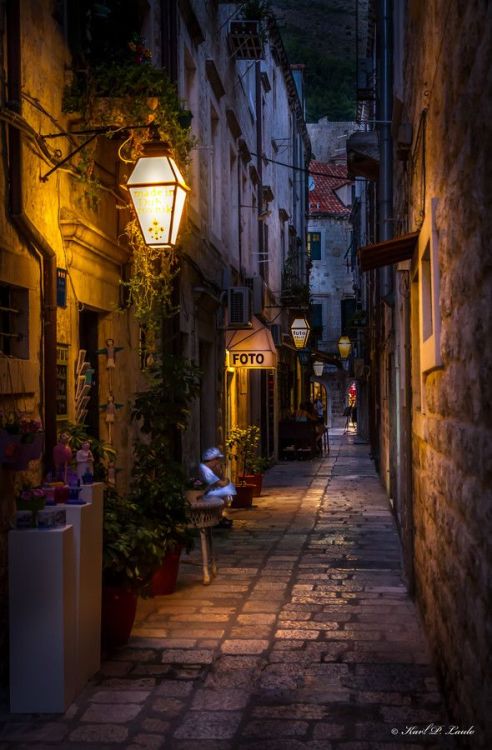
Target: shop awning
x,y
388,252
251,347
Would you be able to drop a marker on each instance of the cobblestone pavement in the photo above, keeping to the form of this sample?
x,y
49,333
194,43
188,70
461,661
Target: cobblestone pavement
x,y
306,639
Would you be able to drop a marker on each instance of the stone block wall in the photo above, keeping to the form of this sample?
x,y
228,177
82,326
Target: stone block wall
x,y
330,279
450,77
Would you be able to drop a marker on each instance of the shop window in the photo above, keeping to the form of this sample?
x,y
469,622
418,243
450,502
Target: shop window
x,y
314,245
429,288
14,321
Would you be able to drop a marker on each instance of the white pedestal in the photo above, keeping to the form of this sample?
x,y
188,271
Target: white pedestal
x,y
92,493
42,620
87,526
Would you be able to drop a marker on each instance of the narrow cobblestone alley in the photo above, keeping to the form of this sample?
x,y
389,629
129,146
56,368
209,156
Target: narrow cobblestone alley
x,y
305,639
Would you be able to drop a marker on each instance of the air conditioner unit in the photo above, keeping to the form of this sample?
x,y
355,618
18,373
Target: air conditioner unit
x,y
258,294
276,331
239,307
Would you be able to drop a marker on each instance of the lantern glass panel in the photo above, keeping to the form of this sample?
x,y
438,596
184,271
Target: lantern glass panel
x,y
153,206
178,211
156,169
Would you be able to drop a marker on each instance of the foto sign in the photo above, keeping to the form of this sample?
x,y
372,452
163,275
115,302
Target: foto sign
x,y
251,359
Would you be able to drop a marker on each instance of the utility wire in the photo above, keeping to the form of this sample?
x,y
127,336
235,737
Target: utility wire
x,y
302,169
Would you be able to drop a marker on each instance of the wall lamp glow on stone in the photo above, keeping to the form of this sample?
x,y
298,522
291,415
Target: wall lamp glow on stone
x,y
318,368
300,330
344,347
158,192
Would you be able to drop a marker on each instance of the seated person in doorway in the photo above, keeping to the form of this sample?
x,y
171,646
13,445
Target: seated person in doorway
x,y
305,412
210,471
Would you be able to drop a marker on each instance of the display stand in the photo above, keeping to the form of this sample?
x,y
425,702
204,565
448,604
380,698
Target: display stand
x,y
203,515
87,525
42,620
92,493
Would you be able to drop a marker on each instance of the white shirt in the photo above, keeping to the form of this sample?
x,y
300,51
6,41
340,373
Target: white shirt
x,y
211,478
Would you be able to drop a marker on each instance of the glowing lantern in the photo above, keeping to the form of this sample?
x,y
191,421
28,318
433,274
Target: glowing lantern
x,y
344,346
318,368
158,192
300,330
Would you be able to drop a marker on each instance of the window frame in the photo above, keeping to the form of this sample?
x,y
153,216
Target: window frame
x,y
429,282
309,242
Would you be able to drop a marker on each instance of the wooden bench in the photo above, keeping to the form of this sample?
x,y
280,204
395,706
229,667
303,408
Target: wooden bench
x,y
299,440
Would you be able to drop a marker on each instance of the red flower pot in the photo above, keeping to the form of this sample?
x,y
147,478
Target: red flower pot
x,y
165,578
256,479
244,497
119,607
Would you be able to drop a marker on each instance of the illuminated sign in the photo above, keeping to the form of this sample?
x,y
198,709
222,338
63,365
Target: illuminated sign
x,y
251,359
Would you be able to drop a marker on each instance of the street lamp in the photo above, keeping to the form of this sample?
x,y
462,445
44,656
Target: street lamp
x,y
300,330
318,368
158,192
344,347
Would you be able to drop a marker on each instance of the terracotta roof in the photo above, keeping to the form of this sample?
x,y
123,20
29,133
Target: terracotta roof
x,y
323,198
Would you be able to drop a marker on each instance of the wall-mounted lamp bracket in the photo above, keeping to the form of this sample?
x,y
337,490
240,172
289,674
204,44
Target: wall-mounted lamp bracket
x,y
93,133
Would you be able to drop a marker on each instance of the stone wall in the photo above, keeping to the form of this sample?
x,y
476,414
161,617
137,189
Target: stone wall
x,y
330,278
450,76
328,139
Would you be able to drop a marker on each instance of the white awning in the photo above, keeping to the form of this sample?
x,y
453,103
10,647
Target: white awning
x,y
251,347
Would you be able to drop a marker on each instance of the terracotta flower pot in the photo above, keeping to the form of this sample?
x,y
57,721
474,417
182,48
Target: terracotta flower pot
x,y
119,606
244,497
165,578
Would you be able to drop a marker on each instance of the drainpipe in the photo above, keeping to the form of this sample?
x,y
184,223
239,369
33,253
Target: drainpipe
x,y
36,243
259,164
384,62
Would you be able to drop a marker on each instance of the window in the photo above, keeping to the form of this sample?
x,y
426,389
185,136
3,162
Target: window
x,y
347,314
429,288
214,164
14,321
314,245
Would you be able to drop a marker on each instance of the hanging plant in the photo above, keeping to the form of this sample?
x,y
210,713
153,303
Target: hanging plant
x,y
150,284
126,93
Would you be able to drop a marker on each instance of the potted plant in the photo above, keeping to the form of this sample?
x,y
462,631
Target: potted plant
x,y
131,554
158,484
255,469
32,499
247,33
242,444
21,440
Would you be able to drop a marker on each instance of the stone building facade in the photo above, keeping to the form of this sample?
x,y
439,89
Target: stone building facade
x,y
63,256
333,302
451,366
431,312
